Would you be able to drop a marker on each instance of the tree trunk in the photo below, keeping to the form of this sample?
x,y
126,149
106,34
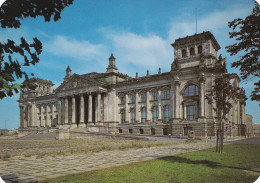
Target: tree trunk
x,y
217,141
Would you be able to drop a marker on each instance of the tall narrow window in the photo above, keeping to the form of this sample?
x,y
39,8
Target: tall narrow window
x,y
166,94
154,95
191,112
192,51
199,49
122,115
183,53
143,114
132,99
191,90
166,113
143,97
122,99
155,113
132,111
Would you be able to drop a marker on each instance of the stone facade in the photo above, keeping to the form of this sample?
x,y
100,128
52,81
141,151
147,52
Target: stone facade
x,y
171,103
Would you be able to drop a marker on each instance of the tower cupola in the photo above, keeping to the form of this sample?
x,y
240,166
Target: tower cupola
x,y
112,66
68,73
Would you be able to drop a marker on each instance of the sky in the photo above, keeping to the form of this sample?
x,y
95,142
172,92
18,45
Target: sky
x,y
137,32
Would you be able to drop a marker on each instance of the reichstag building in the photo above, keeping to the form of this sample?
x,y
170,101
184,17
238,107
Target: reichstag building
x,y
170,103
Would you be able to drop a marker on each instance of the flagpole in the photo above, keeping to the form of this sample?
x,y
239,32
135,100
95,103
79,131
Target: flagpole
x,y
196,18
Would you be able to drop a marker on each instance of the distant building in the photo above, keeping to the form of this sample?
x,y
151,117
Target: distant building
x,y
256,130
249,125
169,103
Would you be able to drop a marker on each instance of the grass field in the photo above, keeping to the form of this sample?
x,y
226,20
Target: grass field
x,y
20,149
239,163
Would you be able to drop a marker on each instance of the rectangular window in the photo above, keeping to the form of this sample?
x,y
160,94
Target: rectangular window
x,y
155,114
143,115
143,97
154,95
122,116
132,115
122,99
166,113
166,94
191,112
132,99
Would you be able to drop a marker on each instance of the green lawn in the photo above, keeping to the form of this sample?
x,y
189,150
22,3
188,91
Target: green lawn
x,y
239,163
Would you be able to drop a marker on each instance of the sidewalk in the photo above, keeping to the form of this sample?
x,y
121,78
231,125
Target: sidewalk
x,y
33,170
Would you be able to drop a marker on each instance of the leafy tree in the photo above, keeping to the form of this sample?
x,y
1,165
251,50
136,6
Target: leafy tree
x,y
13,56
247,33
222,95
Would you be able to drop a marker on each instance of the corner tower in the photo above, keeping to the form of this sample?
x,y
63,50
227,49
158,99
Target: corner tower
x,y
189,50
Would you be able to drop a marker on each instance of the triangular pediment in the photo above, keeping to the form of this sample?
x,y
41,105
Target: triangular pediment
x,y
77,81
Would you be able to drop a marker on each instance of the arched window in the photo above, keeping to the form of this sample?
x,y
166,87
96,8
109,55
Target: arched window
x,y
155,113
199,49
192,51
132,111
166,115
191,90
183,53
143,114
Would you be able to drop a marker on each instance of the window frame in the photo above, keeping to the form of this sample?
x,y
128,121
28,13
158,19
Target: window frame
x,y
191,115
155,114
132,99
167,96
188,92
154,95
143,115
166,118
143,97
132,115
122,115
122,100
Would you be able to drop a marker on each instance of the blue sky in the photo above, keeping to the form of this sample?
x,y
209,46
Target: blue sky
x,y
139,33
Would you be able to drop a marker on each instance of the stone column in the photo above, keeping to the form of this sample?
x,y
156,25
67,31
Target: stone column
x,y
82,108
243,113
90,108
202,97
66,112
42,116
238,112
25,123
98,107
21,116
177,100
126,109
137,110
172,101
184,111
47,115
148,108
159,105
59,105
73,108
53,113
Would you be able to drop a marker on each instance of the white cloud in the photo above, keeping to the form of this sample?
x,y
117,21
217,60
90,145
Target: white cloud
x,y
215,22
80,50
139,50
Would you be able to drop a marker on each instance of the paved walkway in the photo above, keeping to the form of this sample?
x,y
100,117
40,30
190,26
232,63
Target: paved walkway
x,y
33,170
